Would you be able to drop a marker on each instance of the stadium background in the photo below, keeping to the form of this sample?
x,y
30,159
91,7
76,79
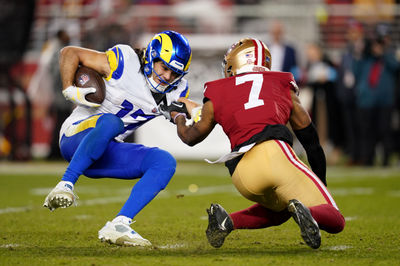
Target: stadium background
x,y
211,26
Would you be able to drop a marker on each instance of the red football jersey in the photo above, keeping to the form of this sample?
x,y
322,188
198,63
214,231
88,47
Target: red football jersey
x,y
245,104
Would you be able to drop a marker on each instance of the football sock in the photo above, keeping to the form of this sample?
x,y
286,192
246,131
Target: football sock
x,y
257,216
158,167
328,218
93,146
122,219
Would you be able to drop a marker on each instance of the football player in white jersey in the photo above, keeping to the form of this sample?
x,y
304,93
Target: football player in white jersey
x,y
91,139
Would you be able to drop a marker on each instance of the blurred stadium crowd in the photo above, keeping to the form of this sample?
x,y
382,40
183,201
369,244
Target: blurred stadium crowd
x,y
344,54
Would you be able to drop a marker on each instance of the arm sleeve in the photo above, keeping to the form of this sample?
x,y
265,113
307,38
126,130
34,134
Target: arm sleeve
x,y
308,137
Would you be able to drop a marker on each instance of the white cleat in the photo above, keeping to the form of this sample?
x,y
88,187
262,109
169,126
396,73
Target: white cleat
x,y
62,196
119,232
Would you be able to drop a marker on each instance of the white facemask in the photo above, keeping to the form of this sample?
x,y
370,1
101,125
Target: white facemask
x,y
154,86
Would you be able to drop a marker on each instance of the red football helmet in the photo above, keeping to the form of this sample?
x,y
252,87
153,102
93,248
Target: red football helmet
x,y
247,55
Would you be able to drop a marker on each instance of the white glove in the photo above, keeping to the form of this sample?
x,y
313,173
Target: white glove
x,y
77,95
196,113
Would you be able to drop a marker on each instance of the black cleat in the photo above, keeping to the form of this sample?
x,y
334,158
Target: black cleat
x,y
219,225
308,226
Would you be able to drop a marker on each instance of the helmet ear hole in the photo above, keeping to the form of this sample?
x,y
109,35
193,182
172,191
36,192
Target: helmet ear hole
x,y
229,71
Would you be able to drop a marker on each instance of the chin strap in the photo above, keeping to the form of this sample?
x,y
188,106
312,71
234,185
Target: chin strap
x,y
156,87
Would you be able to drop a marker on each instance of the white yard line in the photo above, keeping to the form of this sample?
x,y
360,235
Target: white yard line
x,y
15,209
338,248
394,193
58,168
189,168
32,168
171,246
361,172
117,199
201,191
10,246
352,191
350,218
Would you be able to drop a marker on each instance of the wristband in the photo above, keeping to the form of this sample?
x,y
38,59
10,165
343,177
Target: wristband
x,y
179,114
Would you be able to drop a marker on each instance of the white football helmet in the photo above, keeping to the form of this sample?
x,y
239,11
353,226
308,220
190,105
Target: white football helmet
x,y
247,55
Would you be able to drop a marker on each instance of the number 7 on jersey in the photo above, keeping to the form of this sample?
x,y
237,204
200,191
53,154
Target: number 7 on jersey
x,y
257,81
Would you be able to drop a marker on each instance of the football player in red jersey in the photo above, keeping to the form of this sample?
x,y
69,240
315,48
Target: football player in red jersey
x,y
253,106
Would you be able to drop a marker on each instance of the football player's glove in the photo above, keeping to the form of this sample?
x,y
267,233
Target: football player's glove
x,y
175,106
77,95
196,114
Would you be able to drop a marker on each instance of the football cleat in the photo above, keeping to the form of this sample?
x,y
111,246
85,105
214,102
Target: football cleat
x,y
308,226
119,232
219,225
62,196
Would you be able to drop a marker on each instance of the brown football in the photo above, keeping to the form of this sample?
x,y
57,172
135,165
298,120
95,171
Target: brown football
x,y
86,77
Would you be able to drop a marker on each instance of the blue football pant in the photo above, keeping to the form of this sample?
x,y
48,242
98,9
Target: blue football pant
x,y
91,151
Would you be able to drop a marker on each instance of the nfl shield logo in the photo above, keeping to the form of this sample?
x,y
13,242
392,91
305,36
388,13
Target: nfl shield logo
x,y
83,79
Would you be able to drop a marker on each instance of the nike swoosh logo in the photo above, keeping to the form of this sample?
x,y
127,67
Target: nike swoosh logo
x,y
178,105
223,224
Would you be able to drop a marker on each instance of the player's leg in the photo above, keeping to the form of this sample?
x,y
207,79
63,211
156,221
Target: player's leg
x,y
85,142
221,224
92,143
328,218
255,184
302,184
153,166
283,178
279,184
258,216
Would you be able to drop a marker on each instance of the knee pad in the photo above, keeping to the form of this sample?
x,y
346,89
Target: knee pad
x,y
110,122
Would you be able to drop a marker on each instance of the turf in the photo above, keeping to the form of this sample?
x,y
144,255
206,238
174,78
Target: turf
x,y
176,220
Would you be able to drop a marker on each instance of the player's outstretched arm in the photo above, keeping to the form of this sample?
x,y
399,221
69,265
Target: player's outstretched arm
x,y
197,132
190,105
307,135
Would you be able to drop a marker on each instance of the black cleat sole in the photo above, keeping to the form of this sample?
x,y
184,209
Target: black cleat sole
x,y
308,226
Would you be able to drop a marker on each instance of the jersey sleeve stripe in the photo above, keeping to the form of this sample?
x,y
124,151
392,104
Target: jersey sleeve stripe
x,y
299,165
185,93
116,62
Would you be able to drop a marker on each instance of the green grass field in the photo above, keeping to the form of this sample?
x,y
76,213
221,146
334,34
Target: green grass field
x,y
176,220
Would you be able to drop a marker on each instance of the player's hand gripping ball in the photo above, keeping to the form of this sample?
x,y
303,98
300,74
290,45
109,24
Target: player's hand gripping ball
x,y
86,77
89,89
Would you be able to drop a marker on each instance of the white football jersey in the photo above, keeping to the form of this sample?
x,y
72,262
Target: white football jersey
x,y
128,94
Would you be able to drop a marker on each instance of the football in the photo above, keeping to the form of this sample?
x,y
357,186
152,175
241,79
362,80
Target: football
x,y
86,77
